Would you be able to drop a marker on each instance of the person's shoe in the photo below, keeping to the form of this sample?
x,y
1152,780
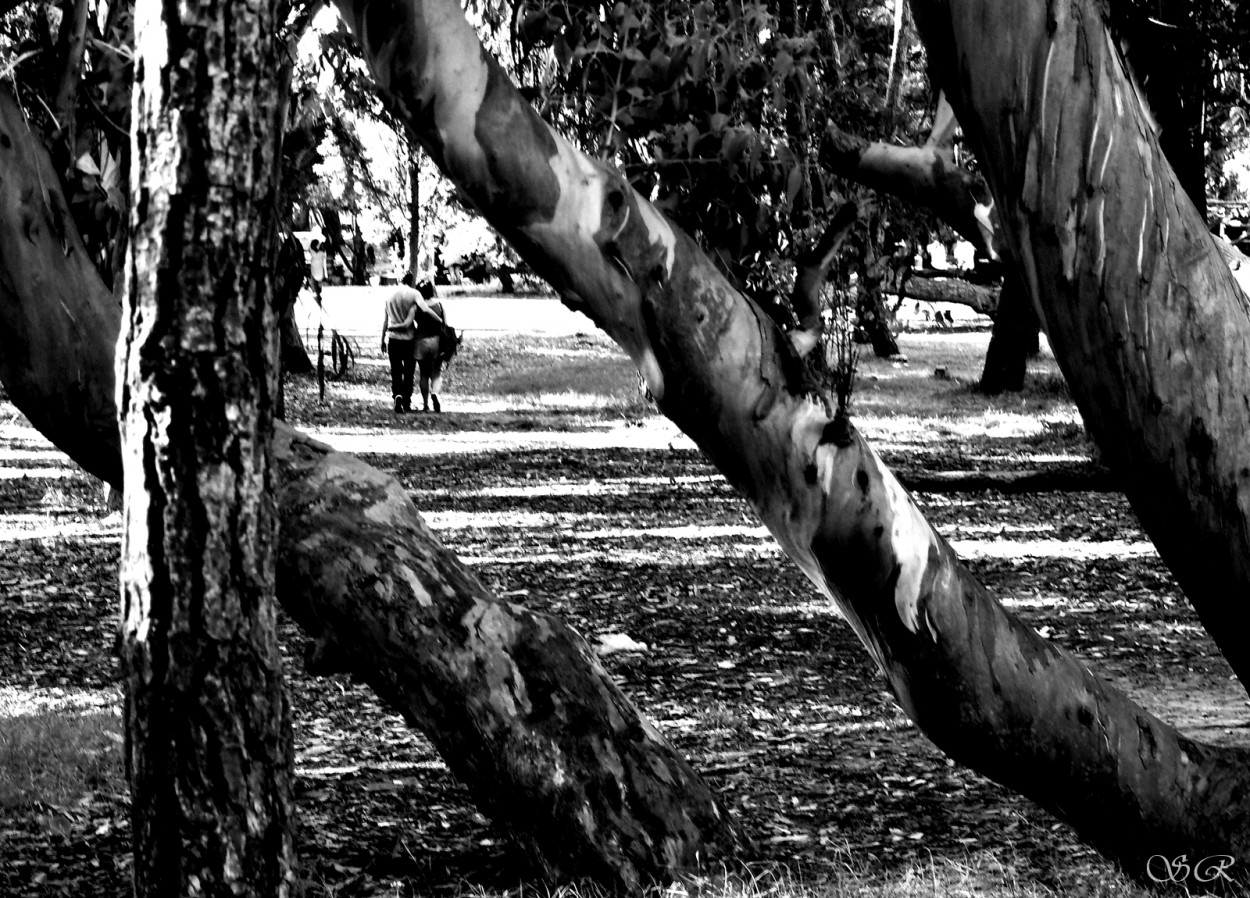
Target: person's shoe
x,y
399,405
437,406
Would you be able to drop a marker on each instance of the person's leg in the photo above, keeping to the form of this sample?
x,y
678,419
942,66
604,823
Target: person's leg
x,y
396,350
423,368
410,361
436,384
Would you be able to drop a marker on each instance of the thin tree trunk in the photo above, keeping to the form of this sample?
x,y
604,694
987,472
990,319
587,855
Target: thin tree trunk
x,y
208,729
73,40
550,747
1145,319
984,687
1013,341
414,215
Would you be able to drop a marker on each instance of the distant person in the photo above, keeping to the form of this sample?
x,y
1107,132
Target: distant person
x,y
316,267
431,325
399,335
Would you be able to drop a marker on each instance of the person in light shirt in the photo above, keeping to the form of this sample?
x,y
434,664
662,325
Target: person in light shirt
x,y
406,319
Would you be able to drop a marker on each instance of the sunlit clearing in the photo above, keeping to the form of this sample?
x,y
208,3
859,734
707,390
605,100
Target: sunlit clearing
x,y
19,527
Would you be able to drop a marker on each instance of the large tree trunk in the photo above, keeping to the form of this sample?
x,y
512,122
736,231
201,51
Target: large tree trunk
x,y
208,728
1146,320
987,689
515,701
1013,342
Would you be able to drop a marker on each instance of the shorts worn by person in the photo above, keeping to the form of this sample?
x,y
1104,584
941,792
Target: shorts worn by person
x,y
399,335
430,324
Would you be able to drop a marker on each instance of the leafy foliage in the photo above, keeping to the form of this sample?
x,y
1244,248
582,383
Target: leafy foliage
x,y
713,110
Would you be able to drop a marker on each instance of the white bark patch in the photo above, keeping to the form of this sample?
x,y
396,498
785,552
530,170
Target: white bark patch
x,y
456,63
1050,55
1068,243
1100,236
1106,157
662,232
910,538
649,368
419,592
982,213
571,231
1146,215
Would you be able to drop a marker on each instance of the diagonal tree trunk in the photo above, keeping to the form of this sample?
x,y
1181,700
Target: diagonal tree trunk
x,y
515,701
1147,322
983,686
987,689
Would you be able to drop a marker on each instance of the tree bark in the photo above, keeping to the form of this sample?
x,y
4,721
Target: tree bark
x,y
1013,341
43,258
1146,320
960,291
553,750
927,176
984,687
210,755
290,275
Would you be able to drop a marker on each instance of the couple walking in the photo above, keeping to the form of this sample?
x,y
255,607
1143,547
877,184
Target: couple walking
x,y
412,335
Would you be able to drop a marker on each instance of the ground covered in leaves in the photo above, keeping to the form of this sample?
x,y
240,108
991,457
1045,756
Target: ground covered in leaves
x,y
556,481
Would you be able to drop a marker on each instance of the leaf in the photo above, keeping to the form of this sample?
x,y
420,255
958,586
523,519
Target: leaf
x,y
86,165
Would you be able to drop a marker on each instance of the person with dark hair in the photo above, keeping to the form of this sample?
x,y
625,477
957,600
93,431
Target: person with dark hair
x,y
316,267
398,338
430,328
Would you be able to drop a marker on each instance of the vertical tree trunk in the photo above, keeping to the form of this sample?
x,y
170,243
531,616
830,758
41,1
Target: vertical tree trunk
x,y
1013,342
1145,318
874,318
515,703
208,729
414,215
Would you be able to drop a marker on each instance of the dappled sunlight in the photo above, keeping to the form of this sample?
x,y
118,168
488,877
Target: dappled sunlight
x,y
649,434
21,527
618,486
990,424
65,471
16,701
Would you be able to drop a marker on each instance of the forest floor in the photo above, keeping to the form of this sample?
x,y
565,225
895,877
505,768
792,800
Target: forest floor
x,y
563,489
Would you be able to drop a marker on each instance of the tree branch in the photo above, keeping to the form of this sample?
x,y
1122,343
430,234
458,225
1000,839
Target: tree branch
x,y
927,176
813,271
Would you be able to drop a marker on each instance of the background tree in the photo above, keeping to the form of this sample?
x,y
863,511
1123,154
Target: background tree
x,y
209,748
717,112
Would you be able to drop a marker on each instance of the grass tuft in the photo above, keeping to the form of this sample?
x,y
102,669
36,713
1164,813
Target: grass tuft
x,y
54,758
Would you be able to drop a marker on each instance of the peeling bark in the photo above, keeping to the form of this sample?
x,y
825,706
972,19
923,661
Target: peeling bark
x,y
555,753
988,690
1146,321
209,751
